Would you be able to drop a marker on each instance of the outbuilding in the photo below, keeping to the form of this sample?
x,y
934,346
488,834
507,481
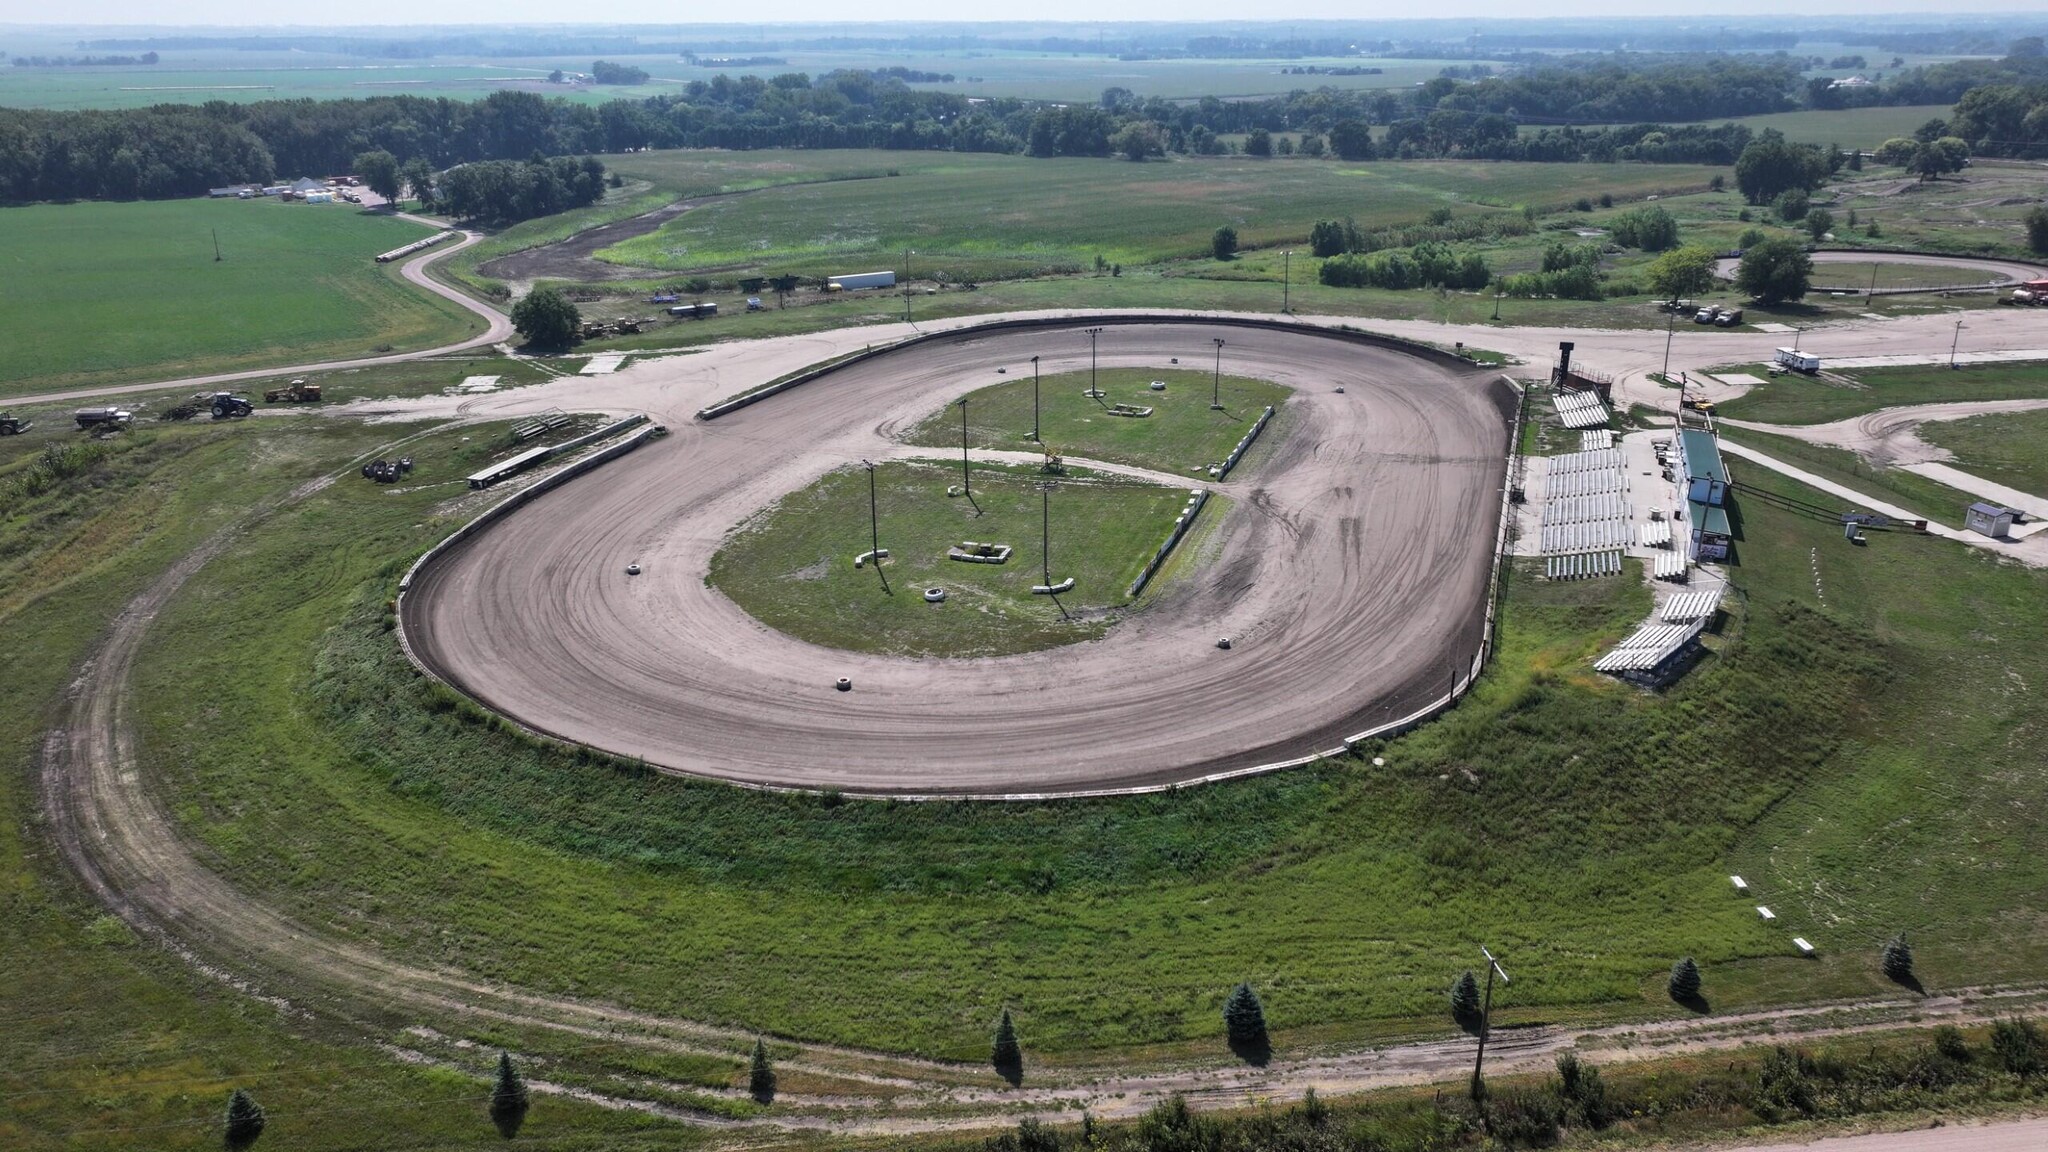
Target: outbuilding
x,y
1988,519
1703,486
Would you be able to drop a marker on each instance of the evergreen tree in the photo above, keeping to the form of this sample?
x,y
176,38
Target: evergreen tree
x,y
1223,245
1898,958
1685,980
1244,1018
1006,1055
508,1098
1465,996
761,1074
245,1120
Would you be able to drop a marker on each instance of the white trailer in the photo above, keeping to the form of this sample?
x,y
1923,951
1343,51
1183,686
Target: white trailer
x,y
1796,360
859,280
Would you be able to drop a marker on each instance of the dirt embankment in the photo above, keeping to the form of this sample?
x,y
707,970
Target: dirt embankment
x,y
576,258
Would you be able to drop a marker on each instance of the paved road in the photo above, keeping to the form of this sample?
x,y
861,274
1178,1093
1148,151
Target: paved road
x,y
1352,575
497,327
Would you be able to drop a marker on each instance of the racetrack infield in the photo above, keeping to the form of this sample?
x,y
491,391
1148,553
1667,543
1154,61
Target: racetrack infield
x,y
1351,575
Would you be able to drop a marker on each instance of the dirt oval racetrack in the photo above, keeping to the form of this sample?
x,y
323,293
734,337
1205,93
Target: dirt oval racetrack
x,y
1351,573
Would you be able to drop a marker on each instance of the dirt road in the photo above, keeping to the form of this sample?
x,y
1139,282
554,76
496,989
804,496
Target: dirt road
x,y
2011,1136
1351,576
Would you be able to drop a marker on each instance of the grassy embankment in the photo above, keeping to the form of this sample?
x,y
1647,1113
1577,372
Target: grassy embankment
x,y
1791,399
2007,449
125,293
1590,826
107,1041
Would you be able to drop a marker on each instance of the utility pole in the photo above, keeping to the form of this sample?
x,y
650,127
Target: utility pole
x,y
1953,344
966,483
1286,278
907,254
874,528
1670,327
1216,384
1485,1021
1045,527
1035,437
1094,393
1496,305
216,245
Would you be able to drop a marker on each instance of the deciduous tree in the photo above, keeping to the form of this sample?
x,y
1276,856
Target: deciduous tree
x,y
1775,271
547,319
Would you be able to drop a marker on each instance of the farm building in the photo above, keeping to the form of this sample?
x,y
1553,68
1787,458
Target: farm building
x,y
234,191
1988,519
1703,485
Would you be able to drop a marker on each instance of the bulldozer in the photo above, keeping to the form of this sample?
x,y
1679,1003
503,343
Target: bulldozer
x,y
297,392
625,326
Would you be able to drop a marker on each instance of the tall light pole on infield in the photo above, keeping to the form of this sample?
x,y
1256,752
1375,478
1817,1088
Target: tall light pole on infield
x,y
966,479
1286,278
1485,1021
1094,393
1035,437
1216,384
875,528
907,254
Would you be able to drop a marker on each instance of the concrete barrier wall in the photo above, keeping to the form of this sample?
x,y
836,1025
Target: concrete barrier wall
x,y
1373,339
1182,525
1244,444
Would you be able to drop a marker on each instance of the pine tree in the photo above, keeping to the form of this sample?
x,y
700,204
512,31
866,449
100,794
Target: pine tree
x,y
1898,958
761,1074
1685,980
508,1098
1244,1018
1006,1055
245,1120
1465,996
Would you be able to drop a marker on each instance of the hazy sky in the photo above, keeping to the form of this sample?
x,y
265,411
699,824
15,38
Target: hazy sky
x,y
361,12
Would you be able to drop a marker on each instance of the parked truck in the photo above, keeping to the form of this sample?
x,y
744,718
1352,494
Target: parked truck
x,y
859,280
97,420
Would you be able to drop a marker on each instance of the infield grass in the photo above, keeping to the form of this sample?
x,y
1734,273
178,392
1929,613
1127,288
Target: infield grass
x,y
2010,448
1791,399
122,293
792,566
1181,433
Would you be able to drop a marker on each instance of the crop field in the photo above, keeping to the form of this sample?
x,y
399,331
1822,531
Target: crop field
x,y
792,566
2007,449
985,216
1864,128
123,293
1798,400
1181,432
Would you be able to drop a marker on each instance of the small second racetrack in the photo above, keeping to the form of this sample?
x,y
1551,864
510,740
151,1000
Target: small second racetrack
x,y
1352,576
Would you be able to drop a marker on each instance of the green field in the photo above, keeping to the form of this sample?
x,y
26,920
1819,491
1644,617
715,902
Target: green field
x,y
126,293
1864,128
1181,433
792,566
1791,399
1861,275
2009,449
986,216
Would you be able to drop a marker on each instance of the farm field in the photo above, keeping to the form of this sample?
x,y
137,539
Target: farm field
x,y
1797,400
108,293
1864,128
977,217
791,567
1181,432
2006,449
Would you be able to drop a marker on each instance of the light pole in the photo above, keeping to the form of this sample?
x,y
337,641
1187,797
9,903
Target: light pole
x,y
1485,1021
966,482
875,528
1216,383
1953,344
1286,278
1670,327
1045,527
907,254
1035,437
1496,305
1094,393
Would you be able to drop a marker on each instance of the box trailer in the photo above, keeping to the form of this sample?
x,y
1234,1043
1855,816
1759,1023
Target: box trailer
x,y
1796,360
860,280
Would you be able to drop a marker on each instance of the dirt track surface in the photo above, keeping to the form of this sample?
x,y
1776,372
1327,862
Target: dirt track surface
x,y
2012,1136
1890,437
497,327
576,257
1351,576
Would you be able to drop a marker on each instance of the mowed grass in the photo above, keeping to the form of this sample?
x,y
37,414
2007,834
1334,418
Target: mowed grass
x,y
1849,127
1791,399
108,1040
106,293
792,566
1861,275
1586,829
1180,434
2009,449
975,217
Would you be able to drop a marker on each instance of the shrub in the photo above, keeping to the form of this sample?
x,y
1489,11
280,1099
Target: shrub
x,y
2037,228
1583,204
1751,237
760,1074
1685,980
1223,245
2017,1044
1465,997
1819,223
1522,1119
1582,1092
1792,204
696,285
1948,1040
1898,958
1784,1085
508,1098
245,1120
1607,200
1718,184
1244,1018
